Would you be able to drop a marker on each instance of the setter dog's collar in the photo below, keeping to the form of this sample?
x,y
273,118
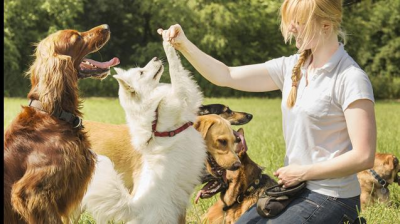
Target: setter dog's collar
x,y
168,133
62,115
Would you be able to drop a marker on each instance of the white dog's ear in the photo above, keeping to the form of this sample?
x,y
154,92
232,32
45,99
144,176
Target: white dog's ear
x,y
123,83
119,70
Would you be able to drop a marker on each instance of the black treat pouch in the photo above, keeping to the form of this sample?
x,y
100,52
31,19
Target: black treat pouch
x,y
276,198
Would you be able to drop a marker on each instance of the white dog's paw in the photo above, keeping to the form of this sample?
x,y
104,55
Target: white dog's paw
x,y
169,49
167,45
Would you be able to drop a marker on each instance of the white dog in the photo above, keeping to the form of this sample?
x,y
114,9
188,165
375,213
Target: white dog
x,y
159,117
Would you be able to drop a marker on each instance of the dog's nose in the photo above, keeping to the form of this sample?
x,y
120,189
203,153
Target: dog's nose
x,y
249,116
236,166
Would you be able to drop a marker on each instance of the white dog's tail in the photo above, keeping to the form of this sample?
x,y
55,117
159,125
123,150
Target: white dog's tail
x,y
107,198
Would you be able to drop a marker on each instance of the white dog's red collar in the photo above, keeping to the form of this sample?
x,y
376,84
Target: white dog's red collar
x,y
168,133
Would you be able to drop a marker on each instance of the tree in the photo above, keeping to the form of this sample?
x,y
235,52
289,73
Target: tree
x,y
234,32
25,23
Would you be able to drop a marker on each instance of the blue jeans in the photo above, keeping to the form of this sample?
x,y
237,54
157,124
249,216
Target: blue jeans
x,y
310,207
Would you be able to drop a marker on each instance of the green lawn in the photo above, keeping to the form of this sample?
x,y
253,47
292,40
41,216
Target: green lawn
x,y
264,139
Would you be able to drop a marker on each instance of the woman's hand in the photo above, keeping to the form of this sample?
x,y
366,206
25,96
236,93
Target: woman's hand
x,y
174,35
291,175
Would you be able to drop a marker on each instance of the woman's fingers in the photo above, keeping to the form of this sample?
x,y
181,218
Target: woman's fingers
x,y
166,34
175,30
174,34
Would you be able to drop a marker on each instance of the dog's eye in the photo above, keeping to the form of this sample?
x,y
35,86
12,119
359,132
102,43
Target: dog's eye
x,y
141,72
223,142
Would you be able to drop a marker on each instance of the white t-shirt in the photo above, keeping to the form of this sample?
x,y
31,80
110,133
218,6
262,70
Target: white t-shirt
x,y
315,128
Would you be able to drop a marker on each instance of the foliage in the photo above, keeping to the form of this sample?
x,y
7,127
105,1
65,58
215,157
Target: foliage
x,y
25,23
234,32
373,29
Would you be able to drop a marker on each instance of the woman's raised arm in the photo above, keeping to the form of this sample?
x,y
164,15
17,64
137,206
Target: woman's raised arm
x,y
251,78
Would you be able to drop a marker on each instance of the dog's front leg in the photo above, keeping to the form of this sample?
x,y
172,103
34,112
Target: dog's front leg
x,y
182,84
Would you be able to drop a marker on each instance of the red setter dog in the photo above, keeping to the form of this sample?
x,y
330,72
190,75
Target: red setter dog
x,y
47,159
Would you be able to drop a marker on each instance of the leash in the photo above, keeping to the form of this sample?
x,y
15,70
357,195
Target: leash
x,y
168,133
380,180
62,115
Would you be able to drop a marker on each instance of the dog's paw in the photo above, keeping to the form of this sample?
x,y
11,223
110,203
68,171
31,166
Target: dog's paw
x,y
167,45
168,48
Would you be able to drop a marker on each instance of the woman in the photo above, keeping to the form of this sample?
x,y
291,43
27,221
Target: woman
x,y
327,110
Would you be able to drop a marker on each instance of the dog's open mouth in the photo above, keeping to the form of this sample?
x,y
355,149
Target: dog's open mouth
x,y
160,71
214,186
215,182
89,68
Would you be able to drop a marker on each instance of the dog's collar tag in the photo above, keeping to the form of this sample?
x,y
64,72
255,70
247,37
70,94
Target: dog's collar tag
x,y
384,190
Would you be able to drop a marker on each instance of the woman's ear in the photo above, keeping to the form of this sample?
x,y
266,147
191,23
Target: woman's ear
x,y
326,27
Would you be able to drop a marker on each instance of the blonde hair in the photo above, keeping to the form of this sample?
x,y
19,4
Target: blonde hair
x,y
311,13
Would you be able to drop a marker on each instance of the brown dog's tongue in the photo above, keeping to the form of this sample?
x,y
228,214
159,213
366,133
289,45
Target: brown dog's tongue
x,y
198,196
104,65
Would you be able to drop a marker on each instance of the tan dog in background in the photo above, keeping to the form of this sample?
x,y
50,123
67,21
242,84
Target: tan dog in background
x,y
114,141
374,188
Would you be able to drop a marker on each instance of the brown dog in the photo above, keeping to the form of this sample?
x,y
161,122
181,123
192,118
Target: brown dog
x,y
244,187
113,141
47,161
374,183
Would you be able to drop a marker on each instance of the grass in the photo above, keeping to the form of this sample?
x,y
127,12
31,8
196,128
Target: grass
x,y
264,138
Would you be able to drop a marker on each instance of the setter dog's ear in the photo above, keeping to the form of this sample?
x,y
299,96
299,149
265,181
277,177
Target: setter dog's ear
x,y
52,75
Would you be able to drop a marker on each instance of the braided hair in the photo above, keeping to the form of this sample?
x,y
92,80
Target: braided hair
x,y
296,76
